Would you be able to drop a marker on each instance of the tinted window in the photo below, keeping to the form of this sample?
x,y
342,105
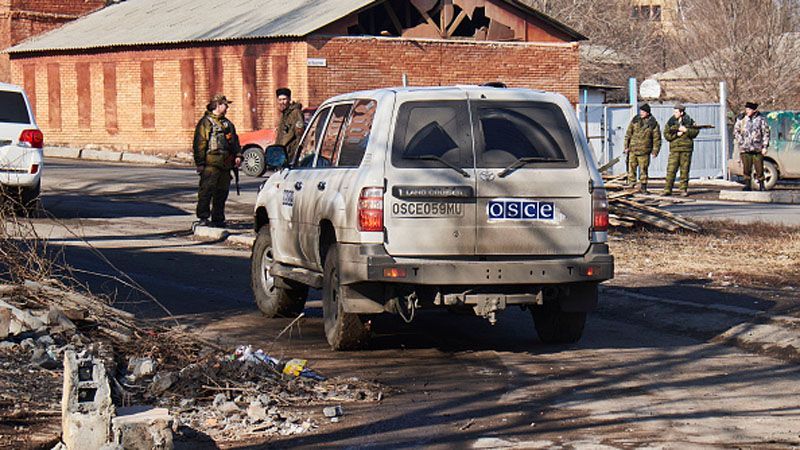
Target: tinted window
x,y
356,134
512,130
332,137
439,129
13,108
308,148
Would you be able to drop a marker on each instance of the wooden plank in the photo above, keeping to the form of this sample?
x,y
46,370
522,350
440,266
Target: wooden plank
x,y
460,18
393,17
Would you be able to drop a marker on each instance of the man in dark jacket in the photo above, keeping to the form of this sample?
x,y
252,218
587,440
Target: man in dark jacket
x,y
642,139
680,131
751,134
292,123
216,153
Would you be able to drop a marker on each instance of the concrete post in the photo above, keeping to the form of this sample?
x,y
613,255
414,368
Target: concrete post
x,y
86,407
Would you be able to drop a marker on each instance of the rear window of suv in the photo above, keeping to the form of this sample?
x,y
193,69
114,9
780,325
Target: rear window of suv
x,y
508,131
504,133
13,108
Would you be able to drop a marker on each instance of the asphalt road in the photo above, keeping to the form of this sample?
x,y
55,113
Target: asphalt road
x,y
640,378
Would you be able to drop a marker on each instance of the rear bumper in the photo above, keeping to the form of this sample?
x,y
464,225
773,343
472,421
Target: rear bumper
x,y
363,263
16,165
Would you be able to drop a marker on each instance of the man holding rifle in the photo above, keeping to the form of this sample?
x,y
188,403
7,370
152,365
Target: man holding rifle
x,y
751,133
680,132
216,154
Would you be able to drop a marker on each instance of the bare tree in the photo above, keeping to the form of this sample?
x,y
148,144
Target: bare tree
x,y
625,41
752,45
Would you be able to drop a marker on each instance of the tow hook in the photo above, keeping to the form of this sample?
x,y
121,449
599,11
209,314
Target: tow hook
x,y
488,306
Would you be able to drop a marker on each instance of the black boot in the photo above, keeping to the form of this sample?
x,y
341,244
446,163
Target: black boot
x,y
747,186
761,185
644,188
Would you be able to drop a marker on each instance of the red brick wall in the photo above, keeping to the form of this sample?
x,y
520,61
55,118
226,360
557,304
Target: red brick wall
x,y
182,82
368,63
21,19
122,103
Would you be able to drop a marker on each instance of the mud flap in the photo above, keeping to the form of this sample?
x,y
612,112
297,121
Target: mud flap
x,y
361,299
579,297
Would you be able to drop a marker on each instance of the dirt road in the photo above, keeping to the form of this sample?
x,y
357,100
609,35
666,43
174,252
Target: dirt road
x,y
648,373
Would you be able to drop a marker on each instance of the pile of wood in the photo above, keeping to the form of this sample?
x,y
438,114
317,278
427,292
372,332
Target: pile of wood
x,y
627,207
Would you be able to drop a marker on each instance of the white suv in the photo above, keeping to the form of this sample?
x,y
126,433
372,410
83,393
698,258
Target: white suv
x,y
466,197
21,144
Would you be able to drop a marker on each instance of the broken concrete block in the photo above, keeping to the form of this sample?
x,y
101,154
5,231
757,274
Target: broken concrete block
x,y
86,407
143,430
162,382
21,321
257,412
58,321
228,408
44,359
45,341
141,367
5,322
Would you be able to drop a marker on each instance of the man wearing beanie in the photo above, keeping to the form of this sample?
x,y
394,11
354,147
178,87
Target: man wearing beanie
x,y
642,139
291,126
751,133
680,131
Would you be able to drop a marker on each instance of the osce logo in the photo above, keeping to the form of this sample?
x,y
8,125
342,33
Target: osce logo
x,y
520,210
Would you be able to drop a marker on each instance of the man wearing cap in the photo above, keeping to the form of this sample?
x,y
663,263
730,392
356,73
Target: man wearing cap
x,y
680,131
216,153
291,126
751,134
642,139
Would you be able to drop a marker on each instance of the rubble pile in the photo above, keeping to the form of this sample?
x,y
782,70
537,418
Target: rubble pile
x,y
627,207
228,395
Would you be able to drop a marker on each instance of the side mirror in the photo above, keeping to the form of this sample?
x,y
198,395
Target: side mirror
x,y
276,157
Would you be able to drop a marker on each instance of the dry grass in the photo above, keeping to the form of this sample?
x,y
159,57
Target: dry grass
x,y
756,255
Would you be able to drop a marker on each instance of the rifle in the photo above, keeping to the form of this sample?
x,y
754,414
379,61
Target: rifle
x,y
236,179
701,127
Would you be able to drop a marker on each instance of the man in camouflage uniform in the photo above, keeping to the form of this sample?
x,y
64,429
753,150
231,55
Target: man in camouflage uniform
x,y
292,122
216,153
680,131
751,134
642,139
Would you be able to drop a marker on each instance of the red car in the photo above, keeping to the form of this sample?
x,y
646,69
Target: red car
x,y
253,144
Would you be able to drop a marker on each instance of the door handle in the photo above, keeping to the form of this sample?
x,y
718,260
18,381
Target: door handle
x,y
321,186
298,185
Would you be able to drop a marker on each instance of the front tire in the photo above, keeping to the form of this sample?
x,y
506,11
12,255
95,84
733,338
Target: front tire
x,y
555,326
254,163
274,296
344,331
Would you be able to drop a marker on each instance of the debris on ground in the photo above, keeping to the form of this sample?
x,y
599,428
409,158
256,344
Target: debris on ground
x,y
628,207
228,395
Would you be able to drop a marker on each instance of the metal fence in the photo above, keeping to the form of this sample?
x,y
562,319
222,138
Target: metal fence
x,y
605,126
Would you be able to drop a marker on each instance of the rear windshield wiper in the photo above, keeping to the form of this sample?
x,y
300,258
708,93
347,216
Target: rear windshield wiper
x,y
527,160
441,160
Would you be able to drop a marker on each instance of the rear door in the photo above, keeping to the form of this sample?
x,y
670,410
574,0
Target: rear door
x,y
429,206
540,207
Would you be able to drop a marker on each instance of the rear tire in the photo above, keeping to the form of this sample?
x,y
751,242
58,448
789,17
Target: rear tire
x,y
274,296
254,163
344,331
555,326
29,198
770,176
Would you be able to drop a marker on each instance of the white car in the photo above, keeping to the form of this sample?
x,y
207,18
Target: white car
x,y
466,197
21,142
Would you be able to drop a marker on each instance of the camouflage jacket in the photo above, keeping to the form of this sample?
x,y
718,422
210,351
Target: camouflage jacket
x,y
216,143
684,142
751,133
643,136
290,128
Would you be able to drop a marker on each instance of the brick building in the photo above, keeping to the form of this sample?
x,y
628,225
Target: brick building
x,y
21,19
137,75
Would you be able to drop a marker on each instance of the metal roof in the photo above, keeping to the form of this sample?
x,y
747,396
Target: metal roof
x,y
155,22
138,22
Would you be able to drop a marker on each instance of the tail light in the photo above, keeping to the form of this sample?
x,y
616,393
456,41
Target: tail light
x,y
599,210
34,169
370,209
31,139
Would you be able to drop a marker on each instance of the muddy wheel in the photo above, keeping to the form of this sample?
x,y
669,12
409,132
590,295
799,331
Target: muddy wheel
x,y
344,331
253,162
274,296
770,176
555,326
